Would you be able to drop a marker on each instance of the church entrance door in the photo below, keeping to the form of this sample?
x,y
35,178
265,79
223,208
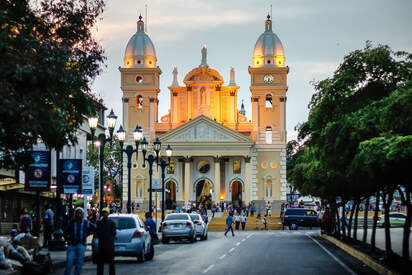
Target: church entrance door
x,y
237,193
170,195
204,193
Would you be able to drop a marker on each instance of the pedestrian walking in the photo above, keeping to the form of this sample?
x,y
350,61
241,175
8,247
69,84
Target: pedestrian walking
x,y
229,223
237,221
282,209
264,221
106,232
48,223
243,220
269,209
149,223
213,210
252,210
76,236
25,221
259,213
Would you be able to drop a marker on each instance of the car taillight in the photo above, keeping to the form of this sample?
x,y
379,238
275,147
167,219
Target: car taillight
x,y
379,218
164,224
199,222
136,234
189,224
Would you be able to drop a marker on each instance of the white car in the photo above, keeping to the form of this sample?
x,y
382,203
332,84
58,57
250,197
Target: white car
x,y
200,225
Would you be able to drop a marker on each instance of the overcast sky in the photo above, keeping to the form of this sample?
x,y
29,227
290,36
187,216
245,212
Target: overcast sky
x,y
316,35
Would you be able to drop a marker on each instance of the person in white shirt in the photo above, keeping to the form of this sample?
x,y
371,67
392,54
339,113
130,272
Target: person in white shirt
x,y
237,221
243,221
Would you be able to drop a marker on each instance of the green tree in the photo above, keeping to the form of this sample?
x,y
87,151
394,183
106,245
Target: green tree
x,y
363,100
48,60
112,165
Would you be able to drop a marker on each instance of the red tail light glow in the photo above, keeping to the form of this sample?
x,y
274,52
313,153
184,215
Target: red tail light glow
x,y
136,234
199,222
164,224
189,224
379,218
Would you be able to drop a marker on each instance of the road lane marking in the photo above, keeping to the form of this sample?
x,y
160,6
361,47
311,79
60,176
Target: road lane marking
x,y
238,244
333,256
250,235
222,257
243,240
209,268
232,249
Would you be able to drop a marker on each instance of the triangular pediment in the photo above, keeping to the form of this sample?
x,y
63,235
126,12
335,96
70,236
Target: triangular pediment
x,y
204,130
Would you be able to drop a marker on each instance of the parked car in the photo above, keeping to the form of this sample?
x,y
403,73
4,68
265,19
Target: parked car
x,y
178,226
200,225
395,219
295,217
132,238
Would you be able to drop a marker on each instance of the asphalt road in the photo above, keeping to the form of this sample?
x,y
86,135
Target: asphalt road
x,y
249,252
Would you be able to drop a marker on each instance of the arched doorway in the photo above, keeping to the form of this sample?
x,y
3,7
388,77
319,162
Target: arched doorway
x,y
237,193
170,195
204,193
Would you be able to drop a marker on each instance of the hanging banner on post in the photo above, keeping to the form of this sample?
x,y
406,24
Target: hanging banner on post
x,y
88,181
38,173
71,175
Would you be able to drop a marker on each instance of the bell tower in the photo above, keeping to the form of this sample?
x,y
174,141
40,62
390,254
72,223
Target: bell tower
x,y
268,88
140,84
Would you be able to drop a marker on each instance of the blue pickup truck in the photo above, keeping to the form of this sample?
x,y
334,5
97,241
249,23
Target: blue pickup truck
x,y
295,217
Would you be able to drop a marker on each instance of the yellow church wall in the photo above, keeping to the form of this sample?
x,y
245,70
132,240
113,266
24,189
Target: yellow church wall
x,y
268,159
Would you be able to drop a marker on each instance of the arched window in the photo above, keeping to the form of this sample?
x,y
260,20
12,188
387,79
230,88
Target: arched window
x,y
139,102
268,101
268,135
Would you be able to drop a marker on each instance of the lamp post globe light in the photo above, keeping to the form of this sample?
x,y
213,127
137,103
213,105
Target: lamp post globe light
x,y
137,136
157,145
101,142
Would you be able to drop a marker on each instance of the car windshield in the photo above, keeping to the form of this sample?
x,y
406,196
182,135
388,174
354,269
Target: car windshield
x,y
176,217
123,222
195,217
295,212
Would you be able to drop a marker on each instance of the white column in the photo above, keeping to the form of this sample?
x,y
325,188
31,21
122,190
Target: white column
x,y
247,180
217,180
188,191
152,118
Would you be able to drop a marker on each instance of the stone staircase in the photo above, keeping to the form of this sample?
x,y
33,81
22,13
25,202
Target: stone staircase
x,y
274,223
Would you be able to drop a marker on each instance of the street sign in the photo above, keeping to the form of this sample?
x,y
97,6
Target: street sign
x,y
88,181
38,174
71,175
156,183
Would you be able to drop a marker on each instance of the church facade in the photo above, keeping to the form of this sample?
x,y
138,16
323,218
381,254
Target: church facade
x,y
218,154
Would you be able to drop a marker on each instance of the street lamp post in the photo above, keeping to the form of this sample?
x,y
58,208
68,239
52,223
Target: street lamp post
x,y
137,135
163,164
101,142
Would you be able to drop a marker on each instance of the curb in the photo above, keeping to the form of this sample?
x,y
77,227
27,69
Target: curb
x,y
369,261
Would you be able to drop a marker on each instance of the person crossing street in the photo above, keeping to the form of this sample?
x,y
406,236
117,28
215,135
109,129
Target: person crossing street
x,y
229,222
